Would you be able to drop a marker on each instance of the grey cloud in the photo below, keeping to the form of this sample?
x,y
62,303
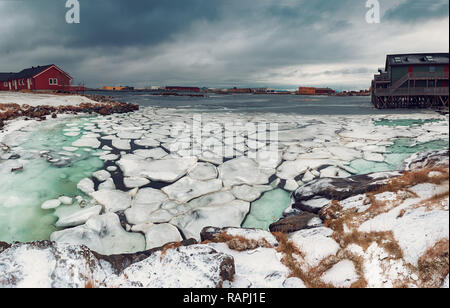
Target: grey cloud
x,y
418,10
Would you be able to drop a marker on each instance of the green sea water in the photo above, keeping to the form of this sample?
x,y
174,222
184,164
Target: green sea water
x,y
23,192
268,209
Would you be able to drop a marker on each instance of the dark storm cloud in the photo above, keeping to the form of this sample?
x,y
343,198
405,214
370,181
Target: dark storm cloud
x,y
205,42
114,23
417,10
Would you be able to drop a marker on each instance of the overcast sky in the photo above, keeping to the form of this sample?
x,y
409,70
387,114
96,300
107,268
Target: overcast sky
x,y
219,43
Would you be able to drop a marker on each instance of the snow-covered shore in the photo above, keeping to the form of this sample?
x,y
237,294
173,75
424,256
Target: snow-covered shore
x,y
40,99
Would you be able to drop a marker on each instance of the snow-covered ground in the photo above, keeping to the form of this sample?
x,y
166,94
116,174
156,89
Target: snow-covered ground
x,y
35,99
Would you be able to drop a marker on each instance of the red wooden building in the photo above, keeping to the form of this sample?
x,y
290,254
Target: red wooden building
x,y
40,78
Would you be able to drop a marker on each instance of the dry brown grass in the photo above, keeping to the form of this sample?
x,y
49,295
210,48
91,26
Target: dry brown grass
x,y
433,266
289,252
170,246
240,243
312,276
90,284
412,178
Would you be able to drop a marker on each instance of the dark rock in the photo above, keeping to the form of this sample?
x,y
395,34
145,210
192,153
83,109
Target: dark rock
x,y
293,223
121,262
339,188
14,156
210,233
432,159
4,246
227,269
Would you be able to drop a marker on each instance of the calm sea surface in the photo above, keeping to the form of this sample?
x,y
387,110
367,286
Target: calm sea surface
x,y
286,104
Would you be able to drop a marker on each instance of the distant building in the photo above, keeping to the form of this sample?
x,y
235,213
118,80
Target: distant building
x,y
240,90
315,91
307,91
39,78
183,89
412,80
118,88
325,91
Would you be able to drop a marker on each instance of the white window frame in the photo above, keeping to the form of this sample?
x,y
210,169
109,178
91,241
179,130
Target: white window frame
x,y
55,81
5,84
50,81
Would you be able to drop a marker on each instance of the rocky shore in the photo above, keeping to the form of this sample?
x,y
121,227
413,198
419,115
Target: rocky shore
x,y
102,105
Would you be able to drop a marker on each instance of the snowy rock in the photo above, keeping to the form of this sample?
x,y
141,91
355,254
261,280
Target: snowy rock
x,y
294,283
416,231
333,172
340,188
103,234
316,244
295,223
259,236
268,272
341,275
313,205
112,200
194,266
47,265
445,285
430,159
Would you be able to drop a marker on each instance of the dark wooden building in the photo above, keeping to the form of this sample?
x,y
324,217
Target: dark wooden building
x,y
412,81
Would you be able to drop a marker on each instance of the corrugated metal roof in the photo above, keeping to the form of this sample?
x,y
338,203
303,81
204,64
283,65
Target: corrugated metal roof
x,y
415,59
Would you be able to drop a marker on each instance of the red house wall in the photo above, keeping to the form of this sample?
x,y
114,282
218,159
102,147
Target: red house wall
x,y
2,87
41,82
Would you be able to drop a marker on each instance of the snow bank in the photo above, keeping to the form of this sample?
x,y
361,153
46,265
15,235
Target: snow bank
x,y
34,99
